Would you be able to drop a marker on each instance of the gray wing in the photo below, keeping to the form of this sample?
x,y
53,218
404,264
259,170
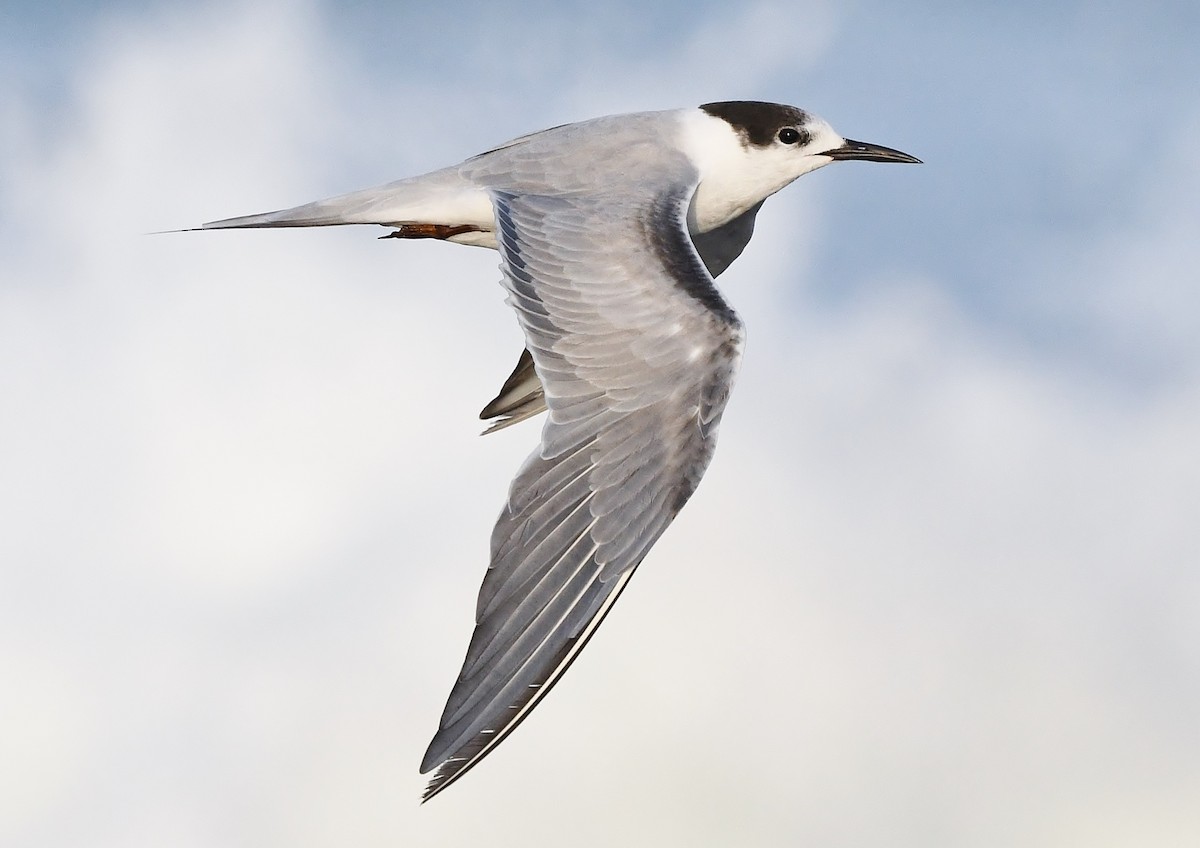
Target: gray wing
x,y
719,247
521,396
637,352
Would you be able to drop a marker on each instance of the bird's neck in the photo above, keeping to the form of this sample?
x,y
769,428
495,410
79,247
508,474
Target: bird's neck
x,y
732,181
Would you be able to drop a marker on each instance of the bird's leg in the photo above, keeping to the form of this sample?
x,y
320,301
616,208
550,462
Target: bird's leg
x,y
433,231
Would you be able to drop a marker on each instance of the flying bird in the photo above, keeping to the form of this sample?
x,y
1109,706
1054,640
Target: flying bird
x,y
610,233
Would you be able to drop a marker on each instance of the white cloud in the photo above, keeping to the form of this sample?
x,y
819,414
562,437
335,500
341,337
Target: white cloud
x,y
720,55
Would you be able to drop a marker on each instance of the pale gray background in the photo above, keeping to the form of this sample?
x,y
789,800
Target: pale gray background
x,y
939,588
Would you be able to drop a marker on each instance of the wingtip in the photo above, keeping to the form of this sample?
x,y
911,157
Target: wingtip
x,y
446,764
447,772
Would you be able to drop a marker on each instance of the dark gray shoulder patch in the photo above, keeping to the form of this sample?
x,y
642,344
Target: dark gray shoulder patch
x,y
666,234
756,122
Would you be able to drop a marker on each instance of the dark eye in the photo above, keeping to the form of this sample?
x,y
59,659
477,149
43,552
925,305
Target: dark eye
x,y
789,135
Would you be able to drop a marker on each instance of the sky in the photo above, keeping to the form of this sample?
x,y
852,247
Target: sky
x,y
939,587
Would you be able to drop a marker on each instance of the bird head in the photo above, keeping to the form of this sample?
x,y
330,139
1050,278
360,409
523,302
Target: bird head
x,y
746,151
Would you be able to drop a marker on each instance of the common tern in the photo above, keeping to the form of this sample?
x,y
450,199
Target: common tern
x,y
610,233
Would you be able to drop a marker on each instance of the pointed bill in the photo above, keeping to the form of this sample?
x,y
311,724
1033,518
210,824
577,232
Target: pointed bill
x,y
868,152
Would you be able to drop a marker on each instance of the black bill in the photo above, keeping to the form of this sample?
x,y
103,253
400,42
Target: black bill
x,y
869,153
